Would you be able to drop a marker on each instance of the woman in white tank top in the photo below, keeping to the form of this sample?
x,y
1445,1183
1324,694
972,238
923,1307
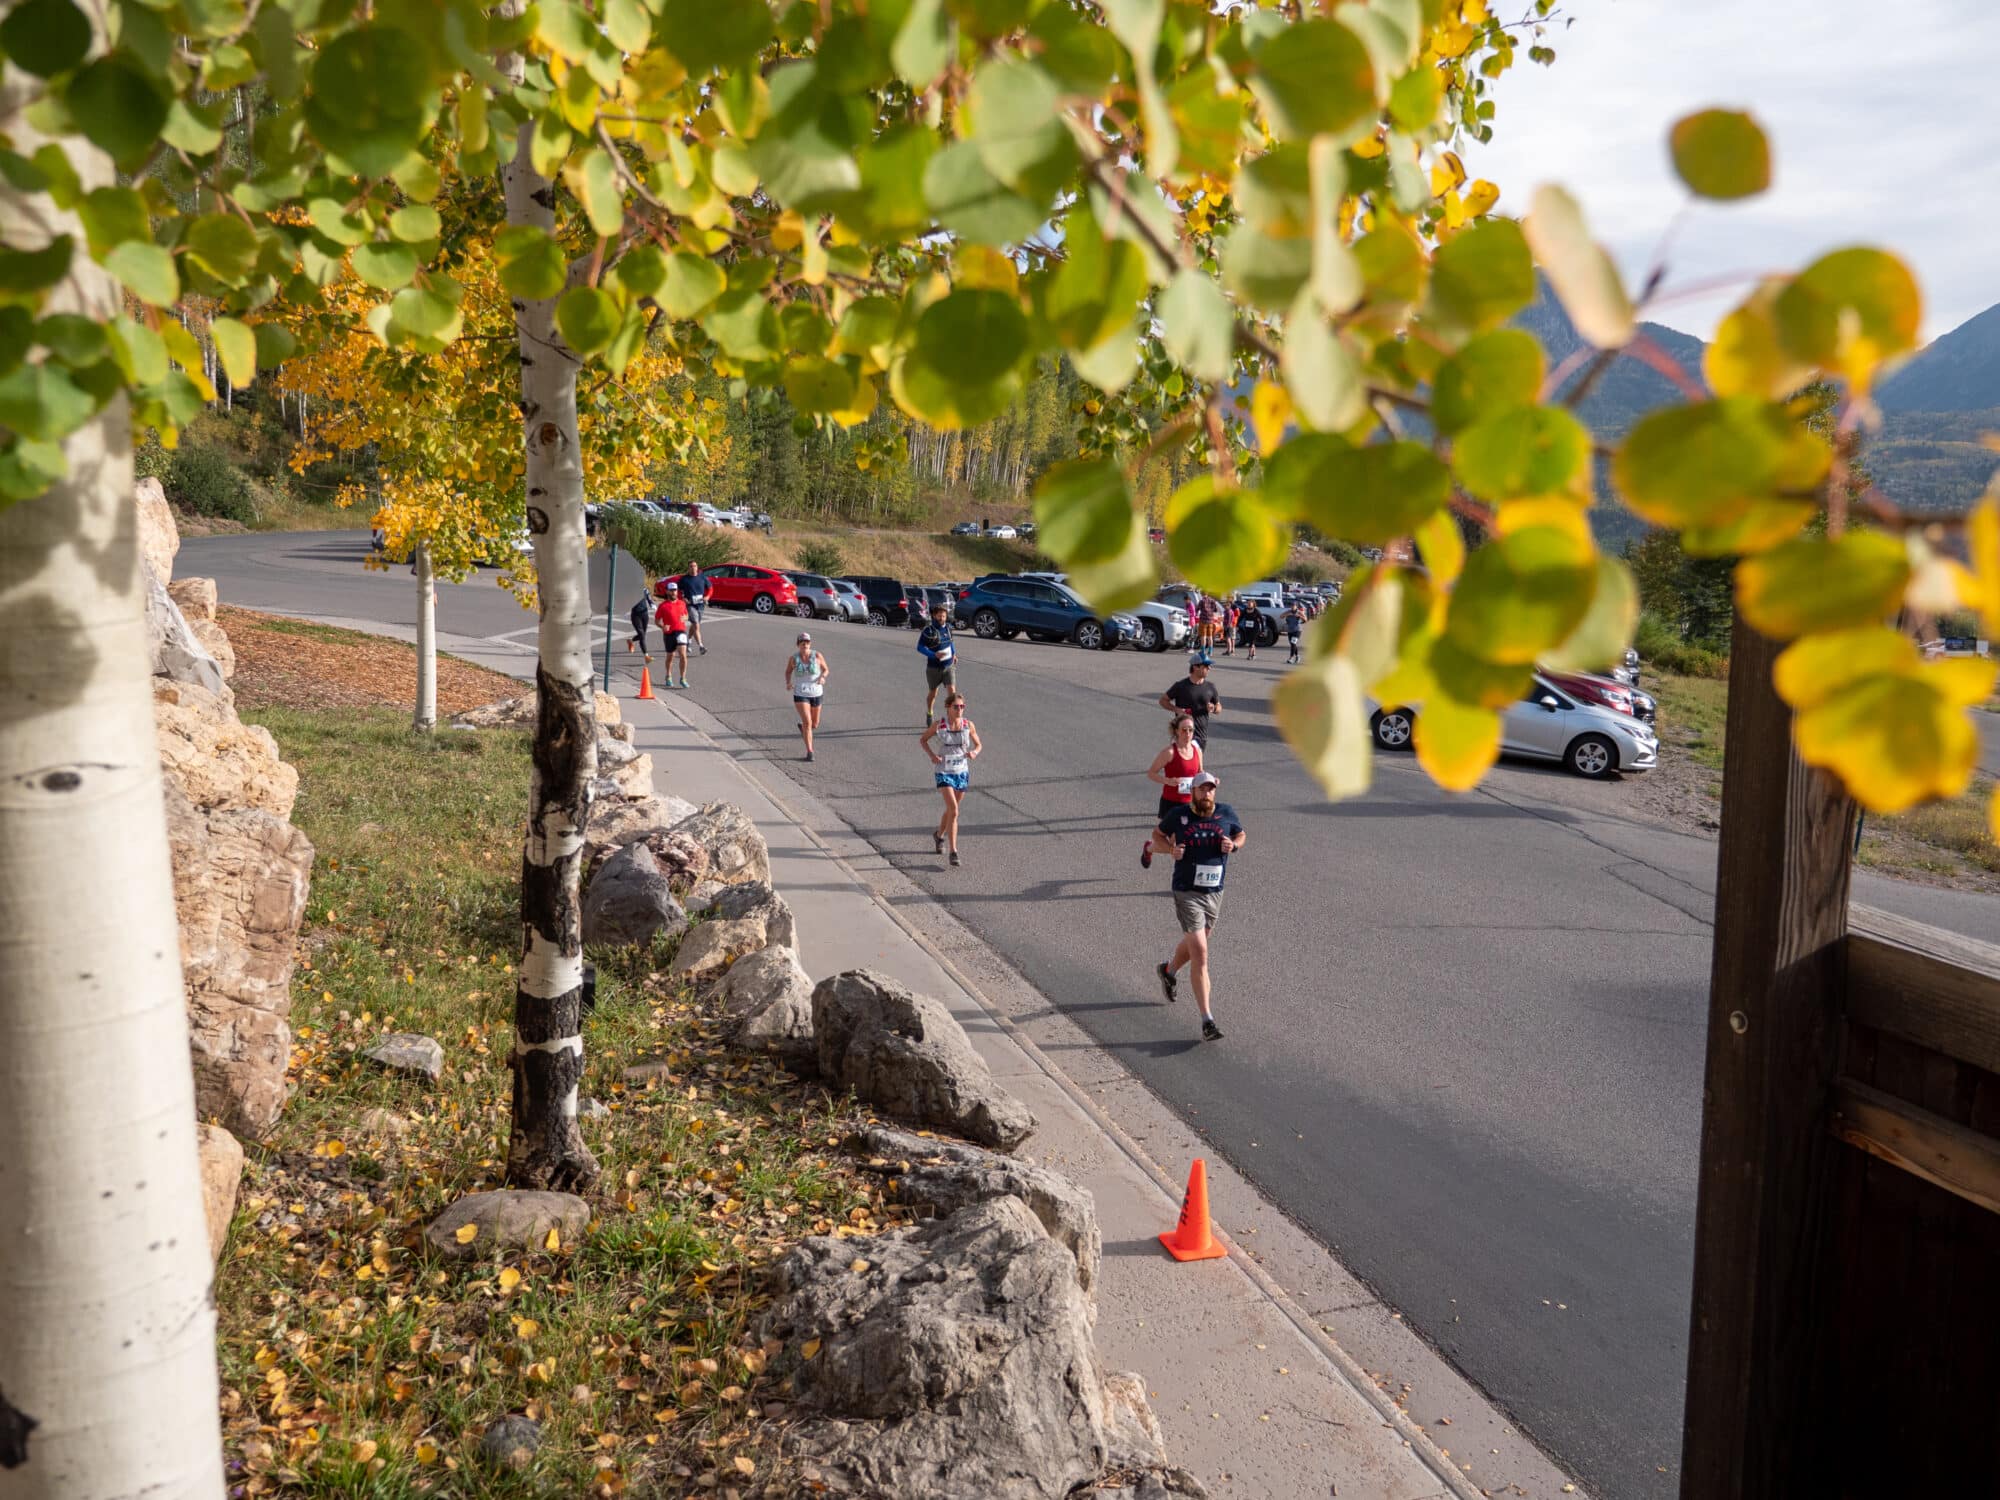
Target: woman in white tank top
x,y
805,676
957,747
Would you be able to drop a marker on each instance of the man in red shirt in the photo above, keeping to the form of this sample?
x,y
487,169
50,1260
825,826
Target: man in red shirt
x,y
673,617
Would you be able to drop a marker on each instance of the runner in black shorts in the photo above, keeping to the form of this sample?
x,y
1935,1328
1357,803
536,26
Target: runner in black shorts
x,y
1200,837
940,658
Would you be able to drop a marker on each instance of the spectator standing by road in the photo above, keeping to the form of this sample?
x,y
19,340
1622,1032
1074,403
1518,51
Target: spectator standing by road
x,y
1295,624
696,587
673,618
1230,614
1173,770
940,658
1249,625
1200,837
957,747
642,612
805,677
1195,696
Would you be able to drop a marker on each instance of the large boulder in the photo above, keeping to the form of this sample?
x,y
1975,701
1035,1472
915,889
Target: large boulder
x,y
765,1001
945,1176
506,1220
159,537
629,777
903,1053
221,1176
215,641
519,713
214,757
177,653
737,854
615,822
409,1054
196,598
241,876
950,1360
629,901
740,920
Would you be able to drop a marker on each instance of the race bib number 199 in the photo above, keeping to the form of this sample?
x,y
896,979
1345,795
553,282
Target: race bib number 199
x,y
1208,877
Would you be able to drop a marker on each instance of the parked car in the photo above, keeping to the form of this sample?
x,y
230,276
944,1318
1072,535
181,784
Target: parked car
x,y
1006,607
741,586
1026,529
1156,533
1547,723
1606,692
1003,531
966,528
852,599
1161,625
888,604
819,599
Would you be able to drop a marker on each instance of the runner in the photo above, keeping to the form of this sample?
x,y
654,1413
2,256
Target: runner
x,y
957,747
805,675
1195,696
1229,617
642,612
1249,625
1200,837
940,658
1211,623
1173,770
695,585
673,617
1295,624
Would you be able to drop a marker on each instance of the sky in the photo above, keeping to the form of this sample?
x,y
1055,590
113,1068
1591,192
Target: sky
x,y
1881,116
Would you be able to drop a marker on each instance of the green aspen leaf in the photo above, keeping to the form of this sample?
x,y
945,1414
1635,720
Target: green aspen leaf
x,y
691,284
1322,714
1128,577
1393,267
1849,311
549,144
1139,216
1585,280
1081,55
25,274
641,271
1456,743
531,264
1320,371
384,265
742,324
594,179
276,47
1095,294
370,98
805,167
1895,737
816,384
1314,78
1704,464
139,352
743,98
1336,275
973,337
1820,583
867,329
587,317
275,344
1222,538
1198,326
628,340
628,25
805,330
1523,452
1369,495
28,468
1391,41
891,202
72,338
45,37
118,105
1522,594
336,223
1083,511
1207,111
1414,99
949,405
236,347
1720,153
1112,363
1263,269
192,128
566,29
1471,679
706,34
1600,638
1015,113
1482,276
1820,668
222,245
1138,24
429,312
415,223
43,403
1493,372
1747,358
146,271
923,43
64,187
418,179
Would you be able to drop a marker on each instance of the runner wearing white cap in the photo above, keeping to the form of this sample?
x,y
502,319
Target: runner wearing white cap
x,y
1200,836
805,678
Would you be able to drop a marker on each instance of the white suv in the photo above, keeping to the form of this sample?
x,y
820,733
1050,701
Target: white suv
x,y
1549,724
1161,625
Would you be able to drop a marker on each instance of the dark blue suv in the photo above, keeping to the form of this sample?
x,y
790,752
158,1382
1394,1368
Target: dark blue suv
x,y
1003,607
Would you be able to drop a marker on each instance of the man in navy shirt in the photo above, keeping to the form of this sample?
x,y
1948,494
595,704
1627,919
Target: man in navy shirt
x,y
940,658
695,588
1200,835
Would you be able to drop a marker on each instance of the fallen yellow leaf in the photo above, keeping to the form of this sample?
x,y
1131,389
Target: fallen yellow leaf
x,y
364,1450
427,1452
809,1349
527,1328
509,1279
467,1233
744,1465
333,1148
554,1241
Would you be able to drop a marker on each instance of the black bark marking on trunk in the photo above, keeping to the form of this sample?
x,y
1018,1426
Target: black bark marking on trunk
x,y
15,1425
538,521
545,1149
545,197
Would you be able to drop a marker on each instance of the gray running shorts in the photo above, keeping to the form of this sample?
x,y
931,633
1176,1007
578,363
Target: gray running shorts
x,y
1197,910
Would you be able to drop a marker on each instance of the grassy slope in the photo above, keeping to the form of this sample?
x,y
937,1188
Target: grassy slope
x,y
354,1362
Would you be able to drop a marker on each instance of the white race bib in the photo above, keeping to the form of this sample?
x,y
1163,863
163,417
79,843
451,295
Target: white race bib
x,y
956,765
1184,784
804,689
943,656
1207,877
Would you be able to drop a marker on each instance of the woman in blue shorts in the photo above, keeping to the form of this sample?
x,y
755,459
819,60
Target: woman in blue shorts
x,y
957,747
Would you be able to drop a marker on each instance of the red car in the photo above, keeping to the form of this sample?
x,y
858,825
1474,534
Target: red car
x,y
741,586
1605,692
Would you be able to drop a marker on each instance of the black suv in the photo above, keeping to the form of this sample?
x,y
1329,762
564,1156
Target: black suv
x,y
888,601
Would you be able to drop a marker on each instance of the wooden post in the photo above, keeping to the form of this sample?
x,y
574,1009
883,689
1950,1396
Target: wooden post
x,y
1754,1430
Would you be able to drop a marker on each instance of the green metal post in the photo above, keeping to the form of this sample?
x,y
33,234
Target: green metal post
x,y
610,612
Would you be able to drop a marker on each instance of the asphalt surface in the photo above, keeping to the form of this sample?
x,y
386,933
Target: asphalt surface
x,y
1464,1032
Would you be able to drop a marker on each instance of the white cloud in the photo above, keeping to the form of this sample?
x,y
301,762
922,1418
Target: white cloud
x,y
1879,117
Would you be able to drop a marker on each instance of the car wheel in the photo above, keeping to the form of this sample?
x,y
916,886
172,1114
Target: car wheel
x,y
1151,637
764,604
1592,755
878,617
803,610
1393,728
1267,635
1089,635
986,624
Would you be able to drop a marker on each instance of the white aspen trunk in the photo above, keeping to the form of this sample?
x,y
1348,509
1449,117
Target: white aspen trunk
x,y
107,1350
545,1149
427,646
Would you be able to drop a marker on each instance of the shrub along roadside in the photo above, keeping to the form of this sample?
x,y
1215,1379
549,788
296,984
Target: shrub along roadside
x,y
356,1363
667,548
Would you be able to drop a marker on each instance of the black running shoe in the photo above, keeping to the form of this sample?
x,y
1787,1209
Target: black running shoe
x,y
809,755
937,839
1146,855
954,859
1210,1032
1169,986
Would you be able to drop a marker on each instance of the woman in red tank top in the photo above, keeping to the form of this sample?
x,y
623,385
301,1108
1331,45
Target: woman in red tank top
x,y
1173,771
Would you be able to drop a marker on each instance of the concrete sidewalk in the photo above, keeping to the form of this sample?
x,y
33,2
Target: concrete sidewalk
x,y
1293,1390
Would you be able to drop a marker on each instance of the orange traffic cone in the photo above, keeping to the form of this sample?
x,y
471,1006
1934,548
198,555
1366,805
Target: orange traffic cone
x,y
645,682
1191,1239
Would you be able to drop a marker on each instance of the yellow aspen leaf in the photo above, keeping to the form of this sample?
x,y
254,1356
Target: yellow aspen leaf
x,y
1270,414
333,1148
1480,197
809,1349
426,1452
1456,743
553,1241
743,1465
527,1328
364,1450
1982,545
509,1279
467,1233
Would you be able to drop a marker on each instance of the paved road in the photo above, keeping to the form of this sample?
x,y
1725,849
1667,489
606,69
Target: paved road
x,y
1464,1032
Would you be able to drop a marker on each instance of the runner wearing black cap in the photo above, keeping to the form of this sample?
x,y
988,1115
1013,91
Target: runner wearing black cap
x,y
1195,696
1200,836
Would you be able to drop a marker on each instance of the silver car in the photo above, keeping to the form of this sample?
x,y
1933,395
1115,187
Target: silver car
x,y
1549,724
852,600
